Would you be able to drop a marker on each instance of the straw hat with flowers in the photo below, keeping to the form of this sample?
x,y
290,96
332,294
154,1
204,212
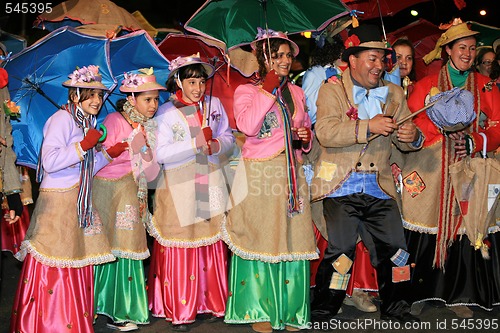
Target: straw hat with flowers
x,y
456,30
143,80
87,77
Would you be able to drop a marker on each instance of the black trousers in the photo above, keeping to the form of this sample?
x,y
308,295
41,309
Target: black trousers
x,y
379,224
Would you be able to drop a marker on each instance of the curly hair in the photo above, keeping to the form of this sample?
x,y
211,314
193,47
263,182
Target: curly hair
x,y
331,51
262,53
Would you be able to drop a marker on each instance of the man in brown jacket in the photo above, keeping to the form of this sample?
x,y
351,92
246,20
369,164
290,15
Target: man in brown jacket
x,y
353,178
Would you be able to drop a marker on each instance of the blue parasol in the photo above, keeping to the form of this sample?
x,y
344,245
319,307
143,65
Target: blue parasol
x,y
132,52
14,43
36,75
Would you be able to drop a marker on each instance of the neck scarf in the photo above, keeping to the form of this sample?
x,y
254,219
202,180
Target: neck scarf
x,y
148,126
195,115
294,206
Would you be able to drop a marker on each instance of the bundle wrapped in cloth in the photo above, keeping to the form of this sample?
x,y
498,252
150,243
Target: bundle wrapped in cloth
x,y
453,111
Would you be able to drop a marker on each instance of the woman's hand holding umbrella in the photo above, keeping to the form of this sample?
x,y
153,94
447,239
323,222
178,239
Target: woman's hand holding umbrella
x,y
271,81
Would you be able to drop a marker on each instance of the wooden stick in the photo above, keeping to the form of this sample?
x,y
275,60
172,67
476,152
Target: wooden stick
x,y
401,121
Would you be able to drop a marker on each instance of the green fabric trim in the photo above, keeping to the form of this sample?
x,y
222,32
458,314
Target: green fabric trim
x,y
457,79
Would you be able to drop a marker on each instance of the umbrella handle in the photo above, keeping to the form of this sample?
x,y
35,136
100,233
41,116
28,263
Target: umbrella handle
x,y
104,132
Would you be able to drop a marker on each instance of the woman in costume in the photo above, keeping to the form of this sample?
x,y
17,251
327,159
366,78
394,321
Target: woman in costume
x,y
446,266
269,227
188,272
64,241
120,197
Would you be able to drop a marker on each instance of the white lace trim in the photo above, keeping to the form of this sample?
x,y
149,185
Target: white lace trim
x,y
131,255
153,231
418,228
433,230
247,255
456,304
27,247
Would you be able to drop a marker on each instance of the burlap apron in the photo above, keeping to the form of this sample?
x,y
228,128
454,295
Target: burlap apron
x,y
54,237
258,226
117,206
174,220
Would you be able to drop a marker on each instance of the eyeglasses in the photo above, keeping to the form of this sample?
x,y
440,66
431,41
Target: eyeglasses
x,y
487,62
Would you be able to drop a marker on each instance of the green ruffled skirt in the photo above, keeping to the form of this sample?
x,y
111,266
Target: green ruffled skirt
x,y
273,292
120,291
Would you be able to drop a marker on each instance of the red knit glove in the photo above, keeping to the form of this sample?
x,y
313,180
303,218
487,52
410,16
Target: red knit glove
x,y
4,78
117,149
204,136
91,139
271,81
207,132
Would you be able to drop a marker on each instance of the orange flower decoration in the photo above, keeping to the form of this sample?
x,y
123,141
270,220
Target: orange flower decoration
x,y
11,109
353,40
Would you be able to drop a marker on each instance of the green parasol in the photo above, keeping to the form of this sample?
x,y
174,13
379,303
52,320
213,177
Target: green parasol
x,y
235,22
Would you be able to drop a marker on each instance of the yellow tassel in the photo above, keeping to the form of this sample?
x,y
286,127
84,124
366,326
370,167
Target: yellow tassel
x,y
355,22
485,252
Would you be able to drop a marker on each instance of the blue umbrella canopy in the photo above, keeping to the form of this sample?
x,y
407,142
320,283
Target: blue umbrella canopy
x,y
36,75
12,42
132,52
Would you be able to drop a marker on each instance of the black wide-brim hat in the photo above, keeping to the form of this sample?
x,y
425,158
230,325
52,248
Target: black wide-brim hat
x,y
362,38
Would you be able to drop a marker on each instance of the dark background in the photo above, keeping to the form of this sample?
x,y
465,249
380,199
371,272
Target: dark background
x,y
174,13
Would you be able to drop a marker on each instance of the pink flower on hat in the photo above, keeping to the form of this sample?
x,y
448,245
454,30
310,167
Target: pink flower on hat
x,y
262,33
86,74
132,80
177,62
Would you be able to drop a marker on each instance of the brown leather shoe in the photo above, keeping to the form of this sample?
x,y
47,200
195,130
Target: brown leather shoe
x,y
291,328
361,300
462,311
262,327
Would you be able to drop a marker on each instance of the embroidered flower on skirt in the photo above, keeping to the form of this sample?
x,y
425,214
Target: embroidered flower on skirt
x,y
96,227
126,220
